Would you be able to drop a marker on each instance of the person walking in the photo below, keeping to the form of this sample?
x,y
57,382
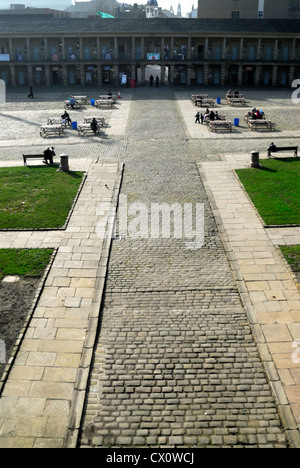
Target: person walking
x,y
30,95
197,117
151,80
157,81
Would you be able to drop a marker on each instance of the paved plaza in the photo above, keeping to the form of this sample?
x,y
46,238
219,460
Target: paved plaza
x,y
156,342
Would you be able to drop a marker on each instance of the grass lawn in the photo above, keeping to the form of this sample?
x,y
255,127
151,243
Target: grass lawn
x,y
292,256
36,197
24,262
275,190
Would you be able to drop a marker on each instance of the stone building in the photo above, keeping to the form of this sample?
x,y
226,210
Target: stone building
x,y
249,9
186,52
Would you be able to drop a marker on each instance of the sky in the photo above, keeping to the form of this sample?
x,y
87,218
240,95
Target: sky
x,y
186,5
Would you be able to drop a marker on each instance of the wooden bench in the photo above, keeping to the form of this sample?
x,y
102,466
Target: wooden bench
x,y
33,156
51,130
85,129
259,123
215,125
278,149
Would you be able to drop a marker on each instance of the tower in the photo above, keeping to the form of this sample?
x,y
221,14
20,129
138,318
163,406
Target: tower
x,y
152,9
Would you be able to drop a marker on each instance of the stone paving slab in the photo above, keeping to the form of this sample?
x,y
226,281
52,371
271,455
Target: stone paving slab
x,y
267,288
50,371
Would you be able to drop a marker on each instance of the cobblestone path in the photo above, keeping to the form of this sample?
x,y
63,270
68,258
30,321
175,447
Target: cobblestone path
x,y
176,364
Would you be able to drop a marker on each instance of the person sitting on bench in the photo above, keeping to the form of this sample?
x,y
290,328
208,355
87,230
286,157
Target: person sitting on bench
x,y
271,148
49,153
94,125
67,118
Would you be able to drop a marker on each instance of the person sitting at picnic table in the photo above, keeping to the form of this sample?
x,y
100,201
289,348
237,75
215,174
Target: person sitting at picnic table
x,y
67,118
229,93
109,94
72,102
206,114
217,117
211,115
48,154
236,93
253,113
94,125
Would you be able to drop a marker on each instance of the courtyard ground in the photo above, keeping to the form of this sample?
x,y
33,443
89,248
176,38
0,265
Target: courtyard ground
x,y
195,346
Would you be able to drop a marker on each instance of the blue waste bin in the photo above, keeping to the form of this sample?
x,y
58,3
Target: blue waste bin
x,y
236,122
218,100
92,102
74,125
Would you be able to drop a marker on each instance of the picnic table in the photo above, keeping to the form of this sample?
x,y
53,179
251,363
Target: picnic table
x,y
205,101
215,125
57,121
221,117
46,130
100,121
77,105
236,100
104,103
83,99
113,97
259,123
85,129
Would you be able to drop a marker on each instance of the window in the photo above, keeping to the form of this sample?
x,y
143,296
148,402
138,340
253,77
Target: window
x,y
235,14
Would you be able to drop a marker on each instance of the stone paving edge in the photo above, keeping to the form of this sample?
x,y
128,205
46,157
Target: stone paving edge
x,y
81,385
284,409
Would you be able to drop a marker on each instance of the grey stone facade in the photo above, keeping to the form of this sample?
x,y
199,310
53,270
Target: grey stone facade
x,y
189,52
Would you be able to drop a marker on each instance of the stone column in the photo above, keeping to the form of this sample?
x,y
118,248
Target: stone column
x,y
63,46
116,54
240,75
65,74
47,75
13,75
133,72
142,74
241,48
223,74
30,74
205,74
274,75
82,76
206,48
257,75
99,74
171,78
116,75
291,74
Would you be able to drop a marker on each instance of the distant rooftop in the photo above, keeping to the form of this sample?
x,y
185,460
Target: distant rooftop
x,y
53,4
11,25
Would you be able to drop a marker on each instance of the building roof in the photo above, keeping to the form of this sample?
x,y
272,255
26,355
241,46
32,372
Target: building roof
x,y
19,26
